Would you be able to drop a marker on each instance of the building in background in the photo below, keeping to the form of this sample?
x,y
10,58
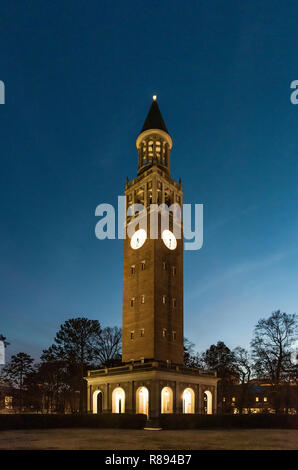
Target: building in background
x,y
260,397
7,397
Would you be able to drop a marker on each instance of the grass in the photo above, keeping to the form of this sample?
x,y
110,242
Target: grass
x,y
120,439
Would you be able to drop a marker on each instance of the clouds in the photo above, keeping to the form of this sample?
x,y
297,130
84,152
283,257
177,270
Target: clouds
x,y
236,271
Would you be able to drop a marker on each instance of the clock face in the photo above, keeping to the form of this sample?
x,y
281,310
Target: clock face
x,y
169,239
138,239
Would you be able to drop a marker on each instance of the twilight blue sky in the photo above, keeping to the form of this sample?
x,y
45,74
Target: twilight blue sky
x,y
79,79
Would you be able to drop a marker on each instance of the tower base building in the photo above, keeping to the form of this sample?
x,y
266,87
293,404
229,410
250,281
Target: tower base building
x,y
152,388
153,379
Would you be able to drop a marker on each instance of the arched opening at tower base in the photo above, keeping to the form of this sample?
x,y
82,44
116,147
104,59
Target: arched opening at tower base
x,y
118,400
188,398
208,402
97,402
142,401
167,400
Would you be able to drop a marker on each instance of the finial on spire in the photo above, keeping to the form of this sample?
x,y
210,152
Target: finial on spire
x,y
154,97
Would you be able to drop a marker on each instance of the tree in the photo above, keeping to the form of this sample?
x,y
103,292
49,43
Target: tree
x,y
32,391
76,343
109,347
191,357
220,358
243,364
16,371
271,351
188,350
52,382
244,369
271,346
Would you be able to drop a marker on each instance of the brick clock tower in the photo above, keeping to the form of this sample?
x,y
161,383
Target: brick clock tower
x,y
153,268
153,379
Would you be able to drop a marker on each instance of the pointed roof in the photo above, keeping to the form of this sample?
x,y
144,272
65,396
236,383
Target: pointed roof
x,y
154,119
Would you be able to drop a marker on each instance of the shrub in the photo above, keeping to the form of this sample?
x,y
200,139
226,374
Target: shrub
x,y
253,421
46,421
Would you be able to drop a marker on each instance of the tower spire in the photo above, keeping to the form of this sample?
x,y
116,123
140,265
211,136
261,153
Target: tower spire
x,y
154,119
154,143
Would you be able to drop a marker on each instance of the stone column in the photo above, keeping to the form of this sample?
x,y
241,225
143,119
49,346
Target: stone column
x,y
197,399
214,400
178,397
201,400
154,400
130,402
174,388
89,399
107,400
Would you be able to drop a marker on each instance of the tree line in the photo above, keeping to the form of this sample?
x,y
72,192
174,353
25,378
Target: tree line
x,y
272,360
56,383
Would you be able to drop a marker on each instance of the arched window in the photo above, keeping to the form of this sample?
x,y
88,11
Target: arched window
x,y
188,401
142,401
208,402
118,400
97,402
167,400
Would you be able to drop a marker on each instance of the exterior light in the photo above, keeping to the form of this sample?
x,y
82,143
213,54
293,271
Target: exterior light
x,y
154,97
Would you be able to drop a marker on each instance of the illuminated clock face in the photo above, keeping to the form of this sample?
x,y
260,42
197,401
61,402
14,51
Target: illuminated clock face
x,y
169,239
138,239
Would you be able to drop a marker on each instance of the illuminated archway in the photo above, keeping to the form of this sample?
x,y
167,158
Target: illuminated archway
x,y
97,402
167,400
118,400
208,402
188,401
142,402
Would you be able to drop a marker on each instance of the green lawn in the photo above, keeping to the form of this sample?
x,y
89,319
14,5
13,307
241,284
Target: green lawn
x,y
119,439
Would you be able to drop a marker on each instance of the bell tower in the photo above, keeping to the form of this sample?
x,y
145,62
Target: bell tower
x,y
153,267
153,379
